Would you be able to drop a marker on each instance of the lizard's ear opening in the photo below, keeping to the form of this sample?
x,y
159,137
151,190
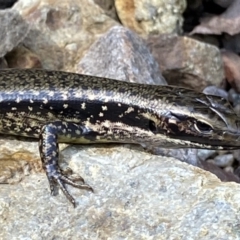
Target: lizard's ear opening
x,y
152,126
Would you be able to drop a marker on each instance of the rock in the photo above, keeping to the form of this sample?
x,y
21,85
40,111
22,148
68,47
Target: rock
x,y
151,17
229,169
18,159
223,3
121,54
231,43
192,14
234,97
136,193
194,4
237,109
187,155
213,90
135,196
196,157
236,155
3,63
223,160
7,3
109,7
231,63
220,173
13,29
62,30
227,22
22,57
186,62
210,39
204,154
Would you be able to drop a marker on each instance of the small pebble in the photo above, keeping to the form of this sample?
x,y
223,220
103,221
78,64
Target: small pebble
x,y
236,155
237,109
229,169
233,97
204,154
223,160
213,90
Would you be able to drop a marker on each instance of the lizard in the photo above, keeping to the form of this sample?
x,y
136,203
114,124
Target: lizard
x,y
61,107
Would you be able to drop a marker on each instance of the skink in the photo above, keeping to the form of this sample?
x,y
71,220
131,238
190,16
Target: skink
x,y
54,106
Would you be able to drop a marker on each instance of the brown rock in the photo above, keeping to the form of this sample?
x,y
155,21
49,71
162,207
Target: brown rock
x,y
151,17
221,174
232,68
121,54
22,57
62,30
187,62
126,13
227,22
3,63
18,159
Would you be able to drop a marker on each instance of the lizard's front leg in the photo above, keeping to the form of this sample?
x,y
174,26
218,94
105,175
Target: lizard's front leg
x,y
49,152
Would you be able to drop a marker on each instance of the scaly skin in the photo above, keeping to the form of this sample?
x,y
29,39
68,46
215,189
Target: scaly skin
x,y
55,106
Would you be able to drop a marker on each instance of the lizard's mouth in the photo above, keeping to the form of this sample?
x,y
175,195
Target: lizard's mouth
x,y
225,141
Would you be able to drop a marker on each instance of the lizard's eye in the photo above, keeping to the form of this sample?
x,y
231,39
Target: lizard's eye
x,y
203,127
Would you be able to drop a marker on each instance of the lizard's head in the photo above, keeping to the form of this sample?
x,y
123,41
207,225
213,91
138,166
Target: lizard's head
x,y
193,119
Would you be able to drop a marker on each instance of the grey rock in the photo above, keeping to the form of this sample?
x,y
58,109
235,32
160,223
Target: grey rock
x,y
204,154
121,54
187,155
234,97
223,160
213,90
223,3
236,154
197,157
237,109
136,195
229,169
13,29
